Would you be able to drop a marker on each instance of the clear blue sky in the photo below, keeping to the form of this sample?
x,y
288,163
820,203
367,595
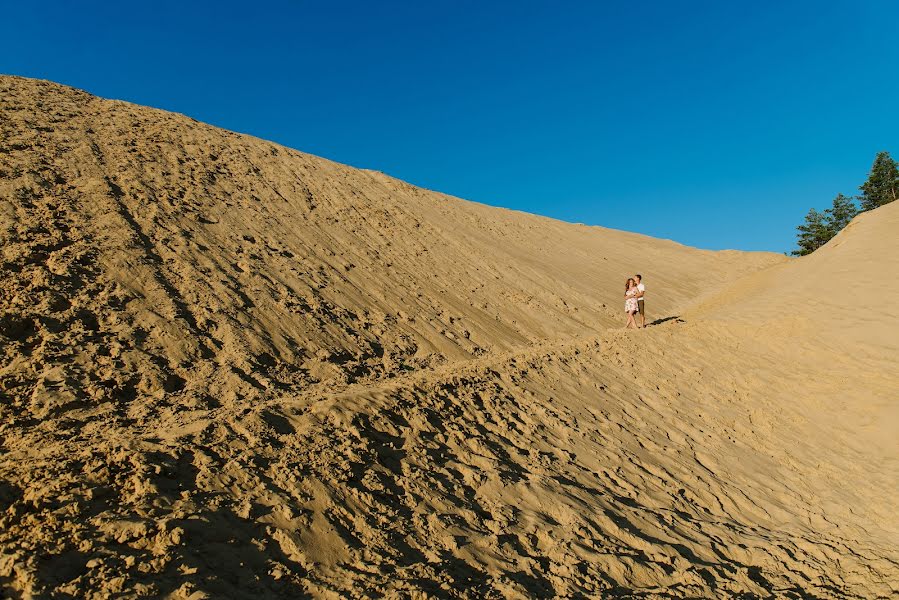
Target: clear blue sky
x,y
717,124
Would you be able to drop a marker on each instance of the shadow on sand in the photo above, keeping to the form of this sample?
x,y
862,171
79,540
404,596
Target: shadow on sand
x,y
675,318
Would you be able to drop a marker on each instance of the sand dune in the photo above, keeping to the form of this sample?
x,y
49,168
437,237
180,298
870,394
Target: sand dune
x,y
231,369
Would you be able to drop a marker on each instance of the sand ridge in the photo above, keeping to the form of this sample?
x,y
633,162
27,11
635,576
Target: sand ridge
x,y
235,370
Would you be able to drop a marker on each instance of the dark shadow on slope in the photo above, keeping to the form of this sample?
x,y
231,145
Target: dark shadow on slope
x,y
675,318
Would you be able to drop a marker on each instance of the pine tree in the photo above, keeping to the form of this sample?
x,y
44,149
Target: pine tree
x,y
812,234
882,186
839,214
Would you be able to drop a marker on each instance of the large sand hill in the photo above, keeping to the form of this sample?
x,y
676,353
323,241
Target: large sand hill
x,y
231,369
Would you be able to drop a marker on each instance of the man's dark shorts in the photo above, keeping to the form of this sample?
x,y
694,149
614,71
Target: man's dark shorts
x,y
640,306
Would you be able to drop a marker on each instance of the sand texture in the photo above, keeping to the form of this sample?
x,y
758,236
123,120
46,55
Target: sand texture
x,y
234,370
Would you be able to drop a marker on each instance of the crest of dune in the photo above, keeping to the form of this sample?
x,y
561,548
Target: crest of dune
x,y
234,370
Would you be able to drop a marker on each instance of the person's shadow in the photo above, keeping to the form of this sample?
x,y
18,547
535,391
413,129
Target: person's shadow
x,y
675,318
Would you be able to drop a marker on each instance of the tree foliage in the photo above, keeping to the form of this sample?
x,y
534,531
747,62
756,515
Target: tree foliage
x,y
812,234
882,186
820,227
839,214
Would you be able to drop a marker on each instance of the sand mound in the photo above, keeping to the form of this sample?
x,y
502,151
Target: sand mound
x,y
232,369
844,293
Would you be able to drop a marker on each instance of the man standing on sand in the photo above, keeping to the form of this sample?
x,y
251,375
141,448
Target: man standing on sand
x,y
641,289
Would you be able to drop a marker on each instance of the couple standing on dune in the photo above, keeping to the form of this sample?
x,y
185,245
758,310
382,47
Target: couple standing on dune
x,y
633,301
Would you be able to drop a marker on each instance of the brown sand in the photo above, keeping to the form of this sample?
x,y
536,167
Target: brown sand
x,y
231,369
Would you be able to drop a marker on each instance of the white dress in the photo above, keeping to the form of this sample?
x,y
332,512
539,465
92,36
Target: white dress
x,y
630,303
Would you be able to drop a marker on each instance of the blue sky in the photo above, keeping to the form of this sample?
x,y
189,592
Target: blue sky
x,y
716,124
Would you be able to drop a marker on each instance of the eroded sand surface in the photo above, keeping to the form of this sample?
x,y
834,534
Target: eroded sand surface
x,y
231,369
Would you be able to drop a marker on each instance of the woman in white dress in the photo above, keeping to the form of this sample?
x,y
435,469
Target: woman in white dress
x,y
630,302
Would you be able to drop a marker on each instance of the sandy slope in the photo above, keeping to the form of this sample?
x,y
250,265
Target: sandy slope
x,y
231,369
845,292
836,311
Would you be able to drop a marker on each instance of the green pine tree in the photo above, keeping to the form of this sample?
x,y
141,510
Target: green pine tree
x,y
882,186
812,234
839,214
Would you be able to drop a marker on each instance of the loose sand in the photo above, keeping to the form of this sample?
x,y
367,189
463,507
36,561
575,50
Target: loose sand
x,y
234,370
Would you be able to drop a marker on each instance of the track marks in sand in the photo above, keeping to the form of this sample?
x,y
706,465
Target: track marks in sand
x,y
545,472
